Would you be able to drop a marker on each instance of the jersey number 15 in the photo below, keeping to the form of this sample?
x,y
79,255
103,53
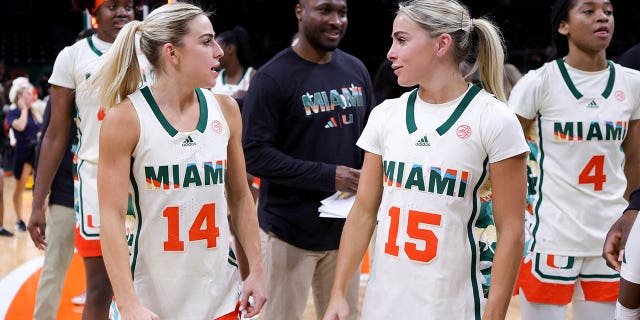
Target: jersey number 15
x,y
416,232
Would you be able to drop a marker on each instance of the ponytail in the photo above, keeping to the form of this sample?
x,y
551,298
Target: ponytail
x,y
120,73
490,59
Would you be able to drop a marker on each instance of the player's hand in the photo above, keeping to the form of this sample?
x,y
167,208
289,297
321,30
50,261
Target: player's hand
x,y
253,287
36,227
347,179
338,309
616,239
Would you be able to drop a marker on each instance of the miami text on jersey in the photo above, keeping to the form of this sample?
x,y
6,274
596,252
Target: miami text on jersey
x,y
184,176
323,102
440,181
575,131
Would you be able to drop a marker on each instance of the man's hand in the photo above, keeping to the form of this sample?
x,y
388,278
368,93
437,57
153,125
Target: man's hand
x,y
347,179
36,226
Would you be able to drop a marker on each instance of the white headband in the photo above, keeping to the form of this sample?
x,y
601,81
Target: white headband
x,y
18,84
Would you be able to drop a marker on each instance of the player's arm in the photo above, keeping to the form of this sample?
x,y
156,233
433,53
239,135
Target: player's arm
x,y
356,234
631,147
508,186
619,232
242,209
525,123
52,149
116,146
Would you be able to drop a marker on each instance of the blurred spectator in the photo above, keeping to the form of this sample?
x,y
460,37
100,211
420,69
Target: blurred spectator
x,y
631,58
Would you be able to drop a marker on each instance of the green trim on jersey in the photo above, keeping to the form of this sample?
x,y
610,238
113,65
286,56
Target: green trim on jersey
x,y
93,46
470,235
466,100
536,210
410,113
204,113
224,72
138,215
567,79
202,121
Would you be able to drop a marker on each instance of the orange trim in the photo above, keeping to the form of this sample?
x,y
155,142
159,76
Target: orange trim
x,y
366,264
600,291
85,247
541,292
255,183
233,315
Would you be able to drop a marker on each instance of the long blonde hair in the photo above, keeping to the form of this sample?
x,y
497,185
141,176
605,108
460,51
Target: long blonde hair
x,y
449,16
120,74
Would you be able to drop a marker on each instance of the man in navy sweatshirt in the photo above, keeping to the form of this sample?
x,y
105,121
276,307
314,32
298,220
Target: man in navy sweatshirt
x,y
302,115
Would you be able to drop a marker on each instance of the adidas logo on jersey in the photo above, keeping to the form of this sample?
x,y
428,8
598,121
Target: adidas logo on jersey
x,y
424,142
188,142
593,105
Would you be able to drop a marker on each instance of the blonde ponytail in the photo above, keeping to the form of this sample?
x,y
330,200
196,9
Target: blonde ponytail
x,y
452,17
490,60
120,73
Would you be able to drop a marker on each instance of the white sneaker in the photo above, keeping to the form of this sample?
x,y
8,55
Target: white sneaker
x,y
80,299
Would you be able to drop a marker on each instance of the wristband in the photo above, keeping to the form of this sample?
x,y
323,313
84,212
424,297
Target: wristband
x,y
634,200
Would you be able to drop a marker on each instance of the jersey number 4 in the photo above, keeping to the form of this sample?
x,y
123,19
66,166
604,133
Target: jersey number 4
x,y
203,227
598,178
416,219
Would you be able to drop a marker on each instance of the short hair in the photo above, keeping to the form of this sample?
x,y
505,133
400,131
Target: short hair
x,y
560,12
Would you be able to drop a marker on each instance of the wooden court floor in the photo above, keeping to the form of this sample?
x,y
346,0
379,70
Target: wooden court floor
x,y
20,265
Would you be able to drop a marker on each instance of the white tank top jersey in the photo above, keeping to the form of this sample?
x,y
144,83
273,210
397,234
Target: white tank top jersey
x,y
180,245
229,89
435,158
582,120
75,68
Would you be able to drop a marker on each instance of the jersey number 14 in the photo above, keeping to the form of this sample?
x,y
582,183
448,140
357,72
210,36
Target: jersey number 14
x,y
203,227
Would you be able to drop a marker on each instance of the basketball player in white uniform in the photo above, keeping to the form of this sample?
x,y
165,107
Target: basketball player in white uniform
x,y
230,89
182,157
74,99
427,154
587,138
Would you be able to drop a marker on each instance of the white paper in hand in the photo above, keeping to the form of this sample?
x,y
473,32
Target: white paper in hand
x,y
337,205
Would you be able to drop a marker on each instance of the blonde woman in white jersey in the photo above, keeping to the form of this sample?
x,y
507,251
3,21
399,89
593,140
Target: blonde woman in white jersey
x,y
587,110
426,155
182,158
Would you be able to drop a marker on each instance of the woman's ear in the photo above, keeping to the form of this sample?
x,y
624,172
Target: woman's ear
x,y
563,28
443,44
170,52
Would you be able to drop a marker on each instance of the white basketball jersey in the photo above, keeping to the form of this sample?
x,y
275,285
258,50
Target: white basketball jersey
x,y
435,158
75,68
180,246
582,120
222,87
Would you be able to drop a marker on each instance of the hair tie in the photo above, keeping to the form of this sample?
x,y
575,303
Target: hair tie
x,y
472,24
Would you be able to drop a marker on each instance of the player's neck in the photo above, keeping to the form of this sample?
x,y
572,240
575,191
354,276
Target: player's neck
x,y
587,61
440,89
